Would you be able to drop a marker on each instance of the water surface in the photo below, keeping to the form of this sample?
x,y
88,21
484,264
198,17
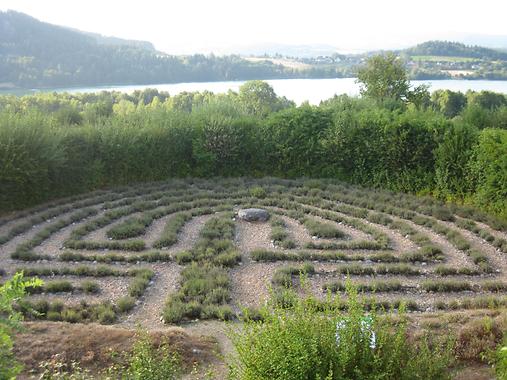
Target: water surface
x,y
298,90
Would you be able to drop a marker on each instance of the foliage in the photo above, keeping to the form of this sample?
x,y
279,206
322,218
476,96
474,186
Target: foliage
x,y
501,361
452,149
490,169
383,78
11,292
149,362
308,342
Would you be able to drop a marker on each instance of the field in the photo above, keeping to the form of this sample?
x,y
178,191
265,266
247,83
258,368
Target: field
x,y
171,254
437,58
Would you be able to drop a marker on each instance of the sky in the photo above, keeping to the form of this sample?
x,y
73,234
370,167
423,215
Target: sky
x,y
224,26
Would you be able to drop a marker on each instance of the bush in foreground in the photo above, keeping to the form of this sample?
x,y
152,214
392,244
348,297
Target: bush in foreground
x,y
11,291
306,342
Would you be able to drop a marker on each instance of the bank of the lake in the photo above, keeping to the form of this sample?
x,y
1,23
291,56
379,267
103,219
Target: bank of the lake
x,y
298,90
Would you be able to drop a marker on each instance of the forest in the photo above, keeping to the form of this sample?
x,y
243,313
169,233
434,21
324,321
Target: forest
x,y
449,145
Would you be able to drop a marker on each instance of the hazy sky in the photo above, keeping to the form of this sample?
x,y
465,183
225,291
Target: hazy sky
x,y
187,26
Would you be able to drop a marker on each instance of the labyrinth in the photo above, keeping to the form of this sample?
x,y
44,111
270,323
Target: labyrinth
x,y
176,251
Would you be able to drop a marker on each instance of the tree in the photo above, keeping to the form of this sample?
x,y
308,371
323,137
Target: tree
x,y
259,98
486,99
384,77
448,102
420,97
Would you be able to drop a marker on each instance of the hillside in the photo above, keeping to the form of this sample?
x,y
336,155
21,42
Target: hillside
x,y
35,54
455,49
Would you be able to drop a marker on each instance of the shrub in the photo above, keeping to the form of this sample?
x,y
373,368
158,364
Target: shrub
x,y
446,286
258,192
501,360
130,228
90,287
322,230
149,362
306,342
125,304
174,310
173,226
376,286
478,338
11,291
104,313
58,286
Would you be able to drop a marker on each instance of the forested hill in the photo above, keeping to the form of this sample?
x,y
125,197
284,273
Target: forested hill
x,y
455,49
38,54
34,54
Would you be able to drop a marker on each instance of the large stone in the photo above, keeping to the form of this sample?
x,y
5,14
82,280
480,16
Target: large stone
x,y
253,215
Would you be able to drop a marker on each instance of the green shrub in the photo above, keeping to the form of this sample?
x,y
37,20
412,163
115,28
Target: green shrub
x,y
149,362
11,291
58,286
376,286
105,314
130,228
323,230
173,226
125,304
258,192
307,342
501,360
90,287
446,286
174,310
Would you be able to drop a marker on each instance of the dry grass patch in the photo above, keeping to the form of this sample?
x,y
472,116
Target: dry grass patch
x,y
41,341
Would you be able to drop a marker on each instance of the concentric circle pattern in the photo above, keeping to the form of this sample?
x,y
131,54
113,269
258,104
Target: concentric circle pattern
x,y
176,251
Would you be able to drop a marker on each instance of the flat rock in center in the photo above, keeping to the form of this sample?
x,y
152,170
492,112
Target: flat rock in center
x,y
253,214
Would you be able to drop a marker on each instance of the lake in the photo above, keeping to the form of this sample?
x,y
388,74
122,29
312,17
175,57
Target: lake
x,y
298,90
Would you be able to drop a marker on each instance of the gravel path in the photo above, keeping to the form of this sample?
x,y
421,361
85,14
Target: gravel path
x,y
149,309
